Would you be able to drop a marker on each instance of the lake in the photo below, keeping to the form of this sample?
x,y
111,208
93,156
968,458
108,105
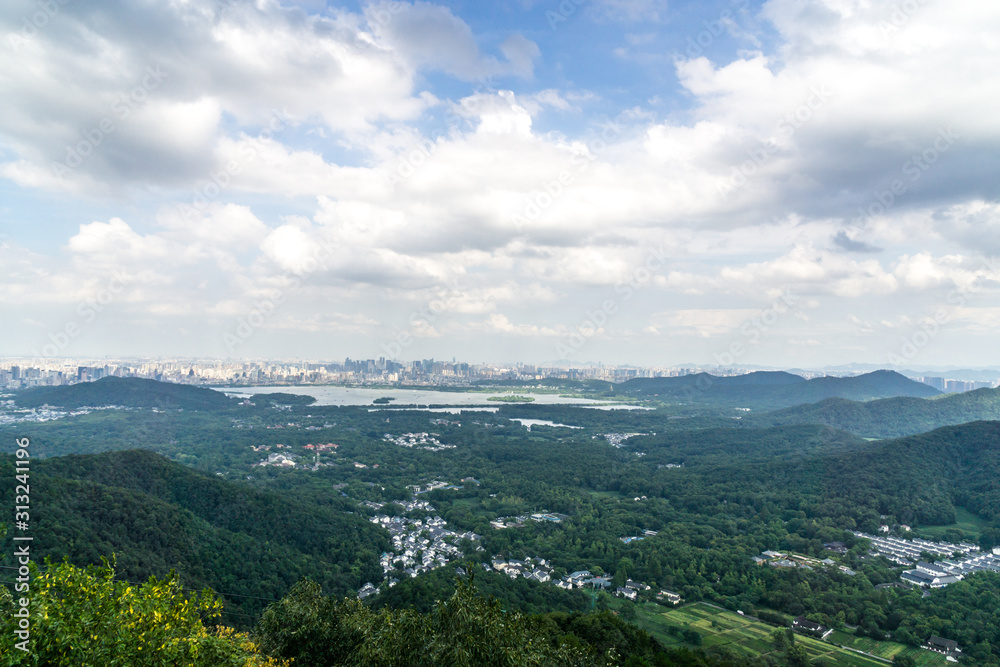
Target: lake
x,y
335,395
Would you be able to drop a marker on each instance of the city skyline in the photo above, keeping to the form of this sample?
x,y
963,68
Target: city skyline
x,y
26,373
781,184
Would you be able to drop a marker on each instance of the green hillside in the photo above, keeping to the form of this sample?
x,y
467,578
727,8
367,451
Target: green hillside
x,y
154,516
126,392
773,389
891,417
703,499
917,480
726,445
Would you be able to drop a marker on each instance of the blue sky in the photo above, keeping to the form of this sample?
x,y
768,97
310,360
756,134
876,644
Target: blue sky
x,y
627,181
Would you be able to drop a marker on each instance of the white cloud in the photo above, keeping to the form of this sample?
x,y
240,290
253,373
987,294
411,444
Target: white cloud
x,y
499,324
116,239
704,322
302,131
430,36
149,102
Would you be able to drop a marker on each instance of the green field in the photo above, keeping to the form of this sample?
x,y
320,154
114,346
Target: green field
x,y
607,494
966,521
753,638
888,650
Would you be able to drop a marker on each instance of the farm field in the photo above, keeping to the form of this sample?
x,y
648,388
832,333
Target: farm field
x,y
966,521
750,637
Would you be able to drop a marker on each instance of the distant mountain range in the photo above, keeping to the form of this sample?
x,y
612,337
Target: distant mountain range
x,y
775,389
949,372
890,417
759,390
126,392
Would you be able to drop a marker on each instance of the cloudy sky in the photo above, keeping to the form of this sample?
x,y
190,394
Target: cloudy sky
x,y
790,183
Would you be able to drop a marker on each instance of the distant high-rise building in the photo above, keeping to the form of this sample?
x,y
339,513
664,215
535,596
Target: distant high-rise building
x,y
956,386
937,383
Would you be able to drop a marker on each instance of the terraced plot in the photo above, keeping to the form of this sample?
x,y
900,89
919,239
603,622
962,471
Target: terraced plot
x,y
750,637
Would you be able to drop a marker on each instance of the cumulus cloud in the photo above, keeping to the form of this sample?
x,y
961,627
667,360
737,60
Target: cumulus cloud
x,y
426,35
153,88
318,154
844,241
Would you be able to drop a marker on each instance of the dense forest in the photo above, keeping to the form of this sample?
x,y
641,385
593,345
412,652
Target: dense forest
x,y
152,516
181,489
126,392
891,417
78,615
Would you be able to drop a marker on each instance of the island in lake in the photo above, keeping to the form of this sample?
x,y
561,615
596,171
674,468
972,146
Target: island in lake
x,y
511,399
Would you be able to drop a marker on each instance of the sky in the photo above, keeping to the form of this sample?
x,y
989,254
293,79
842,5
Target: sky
x,y
787,183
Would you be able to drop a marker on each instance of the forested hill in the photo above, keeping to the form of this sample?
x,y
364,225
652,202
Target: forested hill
x,y
155,515
126,392
917,480
769,390
962,462
920,478
890,417
729,445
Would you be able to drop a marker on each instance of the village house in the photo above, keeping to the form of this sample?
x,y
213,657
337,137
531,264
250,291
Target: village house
x,y
947,647
805,626
627,593
669,596
929,575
